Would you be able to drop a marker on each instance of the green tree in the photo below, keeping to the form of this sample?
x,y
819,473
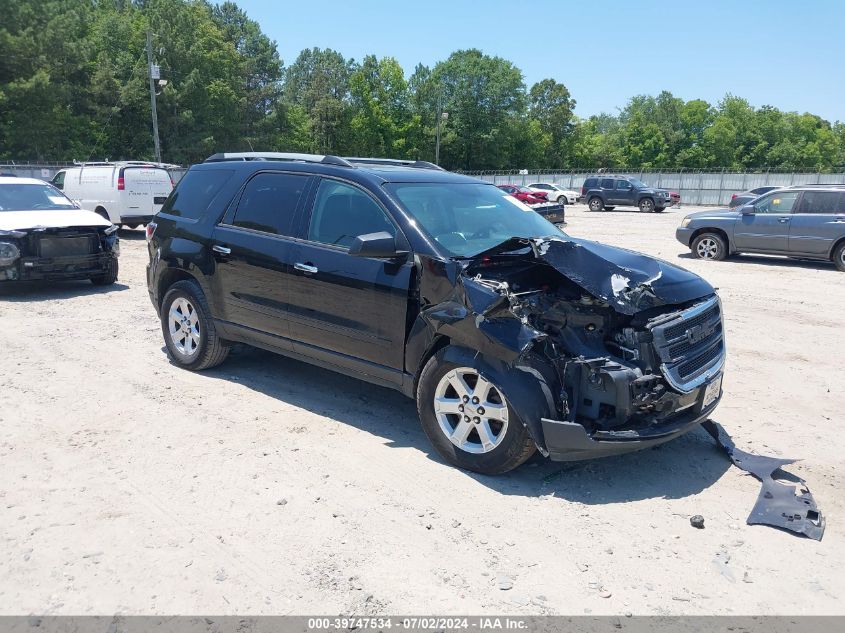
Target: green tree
x,y
551,105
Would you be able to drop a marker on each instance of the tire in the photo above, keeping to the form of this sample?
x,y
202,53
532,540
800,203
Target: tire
x,y
508,442
199,347
102,213
131,226
709,246
839,257
646,205
109,277
596,204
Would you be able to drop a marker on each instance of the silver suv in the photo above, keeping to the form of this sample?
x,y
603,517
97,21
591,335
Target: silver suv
x,y
805,222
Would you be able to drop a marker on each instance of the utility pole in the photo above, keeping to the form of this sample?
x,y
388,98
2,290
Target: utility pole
x,y
150,69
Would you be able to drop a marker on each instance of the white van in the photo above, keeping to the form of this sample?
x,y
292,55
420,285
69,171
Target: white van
x,y
127,193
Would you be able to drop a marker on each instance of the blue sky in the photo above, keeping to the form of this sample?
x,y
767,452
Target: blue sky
x,y
787,54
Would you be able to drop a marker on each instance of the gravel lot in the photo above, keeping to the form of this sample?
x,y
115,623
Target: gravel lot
x,y
270,486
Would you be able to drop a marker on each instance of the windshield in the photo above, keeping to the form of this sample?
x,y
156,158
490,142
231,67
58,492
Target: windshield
x,y
29,197
468,218
639,184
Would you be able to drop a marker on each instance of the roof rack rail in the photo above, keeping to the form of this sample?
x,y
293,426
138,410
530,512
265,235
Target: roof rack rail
x,y
291,156
418,164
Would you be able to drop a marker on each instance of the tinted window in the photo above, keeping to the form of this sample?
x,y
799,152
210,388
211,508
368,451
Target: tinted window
x,y
590,182
623,184
779,202
819,202
195,192
607,183
343,212
269,203
59,180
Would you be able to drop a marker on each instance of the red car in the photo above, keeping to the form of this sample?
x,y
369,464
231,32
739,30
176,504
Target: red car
x,y
524,194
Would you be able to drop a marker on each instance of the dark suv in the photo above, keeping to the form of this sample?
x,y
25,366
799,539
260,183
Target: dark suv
x,y
805,221
511,336
607,192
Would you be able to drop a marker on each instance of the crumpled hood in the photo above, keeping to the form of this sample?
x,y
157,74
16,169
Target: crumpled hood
x,y
21,220
628,281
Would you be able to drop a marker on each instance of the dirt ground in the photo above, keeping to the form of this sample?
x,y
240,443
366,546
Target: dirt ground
x,y
270,486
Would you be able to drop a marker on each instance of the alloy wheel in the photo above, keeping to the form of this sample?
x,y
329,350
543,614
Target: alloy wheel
x,y
184,326
471,411
707,248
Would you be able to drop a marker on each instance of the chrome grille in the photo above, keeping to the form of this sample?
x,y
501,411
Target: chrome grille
x,y
690,345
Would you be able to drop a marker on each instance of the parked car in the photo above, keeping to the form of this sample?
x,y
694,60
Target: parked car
x,y
125,193
555,193
524,194
674,199
511,336
741,199
607,192
45,235
805,222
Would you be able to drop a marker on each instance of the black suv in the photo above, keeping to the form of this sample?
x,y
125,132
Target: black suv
x,y
511,336
607,192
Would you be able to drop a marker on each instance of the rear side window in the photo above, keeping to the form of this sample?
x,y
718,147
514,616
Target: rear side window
x,y
269,203
343,212
607,183
819,202
590,183
195,192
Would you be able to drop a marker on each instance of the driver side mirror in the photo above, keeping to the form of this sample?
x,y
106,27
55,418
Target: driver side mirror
x,y
381,245
747,209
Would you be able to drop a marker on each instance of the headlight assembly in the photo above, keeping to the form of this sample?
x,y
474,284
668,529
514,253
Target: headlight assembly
x,y
685,222
9,253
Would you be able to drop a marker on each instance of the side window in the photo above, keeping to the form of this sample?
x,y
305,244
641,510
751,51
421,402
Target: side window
x,y
195,192
778,202
818,202
590,183
269,202
59,180
607,183
624,185
840,207
343,212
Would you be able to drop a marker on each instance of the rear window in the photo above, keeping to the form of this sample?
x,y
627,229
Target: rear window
x,y
195,192
819,202
145,175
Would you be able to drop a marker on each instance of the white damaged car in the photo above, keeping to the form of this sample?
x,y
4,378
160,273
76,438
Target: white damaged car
x,y
45,235
555,193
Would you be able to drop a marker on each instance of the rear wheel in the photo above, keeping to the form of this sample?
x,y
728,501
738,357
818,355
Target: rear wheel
x,y
646,205
131,226
596,204
709,246
468,419
189,332
839,257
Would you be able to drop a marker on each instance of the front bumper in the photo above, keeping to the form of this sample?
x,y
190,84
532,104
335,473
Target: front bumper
x,y
58,268
570,441
683,235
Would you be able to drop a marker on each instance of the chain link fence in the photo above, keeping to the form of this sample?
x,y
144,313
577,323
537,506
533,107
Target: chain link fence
x,y
702,187
712,187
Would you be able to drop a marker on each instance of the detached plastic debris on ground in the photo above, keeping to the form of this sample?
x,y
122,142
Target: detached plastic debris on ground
x,y
778,504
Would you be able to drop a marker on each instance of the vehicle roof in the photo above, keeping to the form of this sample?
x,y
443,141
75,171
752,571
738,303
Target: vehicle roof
x,y
15,180
365,173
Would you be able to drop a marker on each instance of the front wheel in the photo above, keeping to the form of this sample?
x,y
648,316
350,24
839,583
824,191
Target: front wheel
x,y
596,204
189,332
646,205
468,420
839,257
108,277
709,246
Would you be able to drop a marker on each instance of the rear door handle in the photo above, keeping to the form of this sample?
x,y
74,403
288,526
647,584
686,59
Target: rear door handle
x,y
306,268
221,249
783,220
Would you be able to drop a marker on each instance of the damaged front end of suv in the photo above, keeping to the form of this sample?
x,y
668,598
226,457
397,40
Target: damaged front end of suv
x,y
599,350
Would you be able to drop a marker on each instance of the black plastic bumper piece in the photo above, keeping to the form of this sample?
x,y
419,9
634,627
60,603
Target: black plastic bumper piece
x,y
136,219
569,441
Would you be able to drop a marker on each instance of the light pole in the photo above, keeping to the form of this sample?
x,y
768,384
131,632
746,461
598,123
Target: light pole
x,y
151,71
441,116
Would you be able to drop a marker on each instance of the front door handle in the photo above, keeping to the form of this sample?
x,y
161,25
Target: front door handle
x,y
221,249
783,220
306,268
